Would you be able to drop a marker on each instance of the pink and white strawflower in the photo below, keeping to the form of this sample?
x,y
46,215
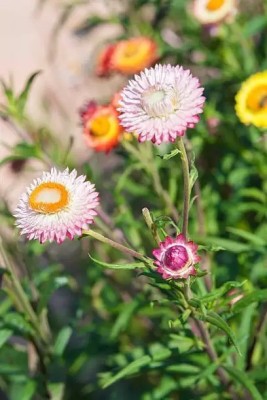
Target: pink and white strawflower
x,y
161,103
56,206
176,258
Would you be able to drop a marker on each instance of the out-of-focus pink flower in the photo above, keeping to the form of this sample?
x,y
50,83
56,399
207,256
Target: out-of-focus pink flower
x,y
176,258
161,103
213,123
56,206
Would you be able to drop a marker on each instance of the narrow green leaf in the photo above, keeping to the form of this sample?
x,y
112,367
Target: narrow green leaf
x,y
56,390
133,265
230,245
132,368
28,390
62,341
243,378
170,155
255,25
220,323
124,317
255,296
22,99
4,336
193,174
250,237
218,293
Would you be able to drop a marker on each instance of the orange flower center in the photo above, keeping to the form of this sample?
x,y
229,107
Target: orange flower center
x,y
257,98
133,55
100,125
49,198
214,5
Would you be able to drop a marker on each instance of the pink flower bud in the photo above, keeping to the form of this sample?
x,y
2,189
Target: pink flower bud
x,y
176,258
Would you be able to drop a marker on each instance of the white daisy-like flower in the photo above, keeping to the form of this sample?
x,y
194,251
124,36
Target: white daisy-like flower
x,y
56,206
209,12
161,103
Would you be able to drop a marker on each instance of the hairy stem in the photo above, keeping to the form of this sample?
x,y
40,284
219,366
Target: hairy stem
x,y
186,177
113,244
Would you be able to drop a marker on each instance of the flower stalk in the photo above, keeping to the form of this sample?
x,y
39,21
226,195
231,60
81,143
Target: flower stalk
x,y
113,244
186,178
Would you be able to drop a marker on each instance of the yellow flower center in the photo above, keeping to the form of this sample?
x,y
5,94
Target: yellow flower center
x,y
130,50
214,5
257,98
133,55
100,125
49,198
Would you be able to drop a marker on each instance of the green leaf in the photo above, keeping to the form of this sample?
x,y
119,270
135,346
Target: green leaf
x,y
56,390
255,296
250,237
17,322
255,25
133,265
220,323
193,173
253,193
226,244
123,319
62,341
4,336
218,293
22,99
22,151
243,378
132,368
28,390
170,155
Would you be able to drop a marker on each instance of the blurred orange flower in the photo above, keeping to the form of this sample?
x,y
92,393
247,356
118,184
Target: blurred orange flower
x,y
128,56
101,126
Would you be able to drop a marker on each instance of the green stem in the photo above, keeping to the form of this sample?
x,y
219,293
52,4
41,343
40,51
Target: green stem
x,y
21,296
186,177
113,244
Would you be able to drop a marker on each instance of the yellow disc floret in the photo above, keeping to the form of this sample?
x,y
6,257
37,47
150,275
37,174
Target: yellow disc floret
x,y
214,5
251,100
49,198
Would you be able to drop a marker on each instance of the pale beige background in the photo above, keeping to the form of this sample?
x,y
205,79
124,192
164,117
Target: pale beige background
x,y
67,79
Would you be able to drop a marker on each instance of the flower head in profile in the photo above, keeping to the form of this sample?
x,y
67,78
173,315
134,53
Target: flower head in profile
x,y
101,126
176,258
211,12
56,206
161,103
128,56
251,100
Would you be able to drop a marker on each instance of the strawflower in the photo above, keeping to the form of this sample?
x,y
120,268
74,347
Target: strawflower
x,y
251,100
161,103
128,56
176,258
56,206
210,12
101,126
